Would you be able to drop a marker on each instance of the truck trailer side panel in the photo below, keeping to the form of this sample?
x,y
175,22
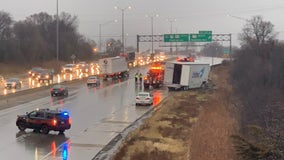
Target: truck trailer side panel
x,y
185,75
177,73
113,65
169,72
198,75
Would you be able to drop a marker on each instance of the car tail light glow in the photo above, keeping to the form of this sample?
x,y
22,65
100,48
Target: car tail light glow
x,y
54,122
69,120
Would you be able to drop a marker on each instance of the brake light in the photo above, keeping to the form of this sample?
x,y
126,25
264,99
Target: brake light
x,y
54,122
69,120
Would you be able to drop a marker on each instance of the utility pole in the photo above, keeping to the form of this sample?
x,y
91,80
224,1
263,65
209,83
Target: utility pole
x,y
152,30
122,25
171,32
57,34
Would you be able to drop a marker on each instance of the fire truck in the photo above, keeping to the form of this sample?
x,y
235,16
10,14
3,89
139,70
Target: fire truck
x,y
155,76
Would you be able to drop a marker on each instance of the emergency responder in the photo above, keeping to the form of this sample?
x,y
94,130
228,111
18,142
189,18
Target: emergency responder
x,y
136,77
140,77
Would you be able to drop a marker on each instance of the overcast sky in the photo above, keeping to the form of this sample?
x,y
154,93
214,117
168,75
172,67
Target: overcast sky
x,y
191,15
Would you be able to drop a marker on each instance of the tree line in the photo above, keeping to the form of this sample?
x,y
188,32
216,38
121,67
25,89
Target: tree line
x,y
34,39
258,78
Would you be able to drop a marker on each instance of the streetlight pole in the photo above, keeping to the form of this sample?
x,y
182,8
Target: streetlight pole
x,y
122,32
100,37
152,29
171,31
57,34
100,33
122,25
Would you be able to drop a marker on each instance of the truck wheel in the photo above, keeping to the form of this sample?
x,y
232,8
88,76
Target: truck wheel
x,y
22,126
44,129
203,85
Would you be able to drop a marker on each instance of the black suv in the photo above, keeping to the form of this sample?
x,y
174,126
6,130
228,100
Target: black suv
x,y
45,76
44,120
34,72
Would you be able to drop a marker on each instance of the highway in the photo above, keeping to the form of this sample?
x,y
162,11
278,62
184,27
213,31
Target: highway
x,y
98,115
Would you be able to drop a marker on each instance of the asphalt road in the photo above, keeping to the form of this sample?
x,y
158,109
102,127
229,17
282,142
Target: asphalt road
x,y
98,115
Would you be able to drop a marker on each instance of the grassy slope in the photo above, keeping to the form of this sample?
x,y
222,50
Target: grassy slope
x,y
188,125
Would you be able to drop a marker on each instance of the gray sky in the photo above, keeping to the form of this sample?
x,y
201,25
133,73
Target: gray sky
x,y
191,15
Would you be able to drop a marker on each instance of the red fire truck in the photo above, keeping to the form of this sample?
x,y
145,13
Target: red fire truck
x,y
155,76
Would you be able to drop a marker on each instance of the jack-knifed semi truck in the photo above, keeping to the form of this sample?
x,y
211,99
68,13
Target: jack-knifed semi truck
x,y
186,75
113,67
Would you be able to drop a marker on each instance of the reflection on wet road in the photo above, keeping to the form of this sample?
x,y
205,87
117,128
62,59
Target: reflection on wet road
x,y
29,83
98,115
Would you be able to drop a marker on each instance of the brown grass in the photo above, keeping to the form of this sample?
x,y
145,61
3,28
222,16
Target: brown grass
x,y
166,133
211,134
187,125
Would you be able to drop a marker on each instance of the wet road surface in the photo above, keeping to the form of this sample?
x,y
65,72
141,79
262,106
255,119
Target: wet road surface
x,y
98,115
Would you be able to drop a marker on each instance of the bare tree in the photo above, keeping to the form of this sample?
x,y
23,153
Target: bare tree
x,y
213,49
113,47
5,25
258,78
257,31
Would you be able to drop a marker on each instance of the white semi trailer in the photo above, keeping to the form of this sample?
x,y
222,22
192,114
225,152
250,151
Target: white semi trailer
x,y
186,75
113,67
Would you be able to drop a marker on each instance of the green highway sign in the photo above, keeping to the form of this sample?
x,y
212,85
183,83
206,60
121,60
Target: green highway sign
x,y
200,37
205,32
176,37
226,51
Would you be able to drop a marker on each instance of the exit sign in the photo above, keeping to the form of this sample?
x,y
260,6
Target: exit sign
x,y
205,32
176,37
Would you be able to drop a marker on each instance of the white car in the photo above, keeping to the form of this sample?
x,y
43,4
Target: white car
x,y
13,83
93,80
68,68
144,98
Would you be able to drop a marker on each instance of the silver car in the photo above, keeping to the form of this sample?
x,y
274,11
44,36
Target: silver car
x,y
144,98
93,80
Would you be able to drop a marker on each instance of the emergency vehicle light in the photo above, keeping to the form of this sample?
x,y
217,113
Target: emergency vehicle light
x,y
156,68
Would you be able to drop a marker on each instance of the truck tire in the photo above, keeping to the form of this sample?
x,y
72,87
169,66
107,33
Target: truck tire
x,y
203,85
185,88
